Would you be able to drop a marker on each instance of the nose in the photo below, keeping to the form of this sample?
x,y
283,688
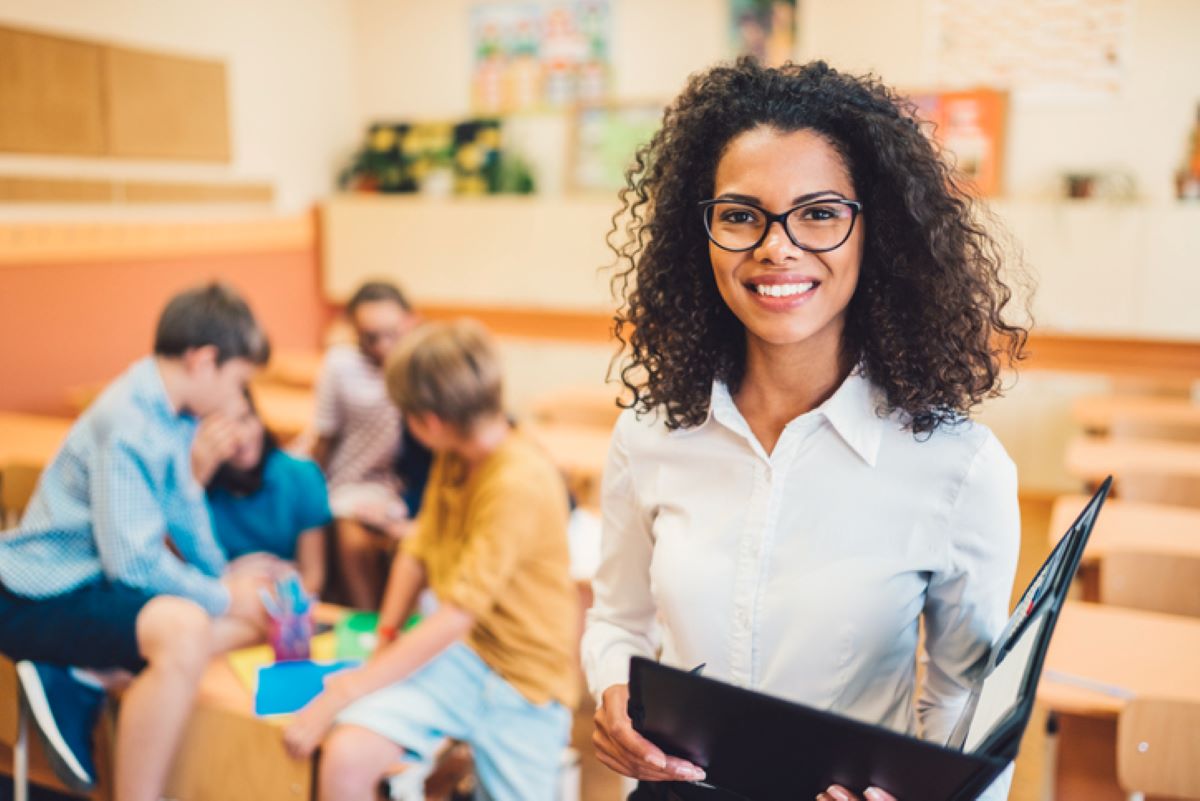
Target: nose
x,y
777,246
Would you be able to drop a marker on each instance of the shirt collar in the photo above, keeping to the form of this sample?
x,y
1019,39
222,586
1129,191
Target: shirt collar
x,y
151,390
852,411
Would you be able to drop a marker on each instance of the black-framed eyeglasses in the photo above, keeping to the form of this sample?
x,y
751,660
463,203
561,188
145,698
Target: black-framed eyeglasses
x,y
817,226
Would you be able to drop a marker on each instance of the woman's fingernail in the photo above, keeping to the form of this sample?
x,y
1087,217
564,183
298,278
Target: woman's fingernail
x,y
691,774
657,760
873,795
838,793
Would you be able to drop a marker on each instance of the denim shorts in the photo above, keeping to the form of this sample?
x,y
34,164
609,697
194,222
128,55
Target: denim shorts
x,y
94,626
517,745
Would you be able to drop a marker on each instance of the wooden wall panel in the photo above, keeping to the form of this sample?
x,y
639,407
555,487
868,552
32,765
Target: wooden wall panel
x,y
50,93
162,106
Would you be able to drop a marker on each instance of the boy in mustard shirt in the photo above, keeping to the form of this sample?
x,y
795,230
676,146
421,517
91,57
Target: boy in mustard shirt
x,y
495,664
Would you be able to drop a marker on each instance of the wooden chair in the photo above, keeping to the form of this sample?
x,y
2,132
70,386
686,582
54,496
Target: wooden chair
x,y
1164,488
17,483
1158,749
1155,582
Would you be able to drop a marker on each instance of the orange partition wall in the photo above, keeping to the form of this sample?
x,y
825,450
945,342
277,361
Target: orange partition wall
x,y
79,302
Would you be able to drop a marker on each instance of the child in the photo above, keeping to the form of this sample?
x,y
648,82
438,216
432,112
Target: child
x,y
264,500
358,433
114,564
494,665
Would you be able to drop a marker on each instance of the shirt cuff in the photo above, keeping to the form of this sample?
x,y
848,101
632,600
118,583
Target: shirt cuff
x,y
612,669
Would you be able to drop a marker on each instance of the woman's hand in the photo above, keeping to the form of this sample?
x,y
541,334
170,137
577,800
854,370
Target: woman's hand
x,y
839,793
310,725
624,750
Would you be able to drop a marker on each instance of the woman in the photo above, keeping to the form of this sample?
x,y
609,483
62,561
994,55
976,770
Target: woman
x,y
263,500
812,312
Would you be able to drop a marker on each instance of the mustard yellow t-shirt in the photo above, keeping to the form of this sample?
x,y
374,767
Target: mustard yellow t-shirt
x,y
495,545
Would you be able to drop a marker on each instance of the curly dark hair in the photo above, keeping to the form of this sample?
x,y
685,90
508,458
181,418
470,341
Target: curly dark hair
x,y
925,320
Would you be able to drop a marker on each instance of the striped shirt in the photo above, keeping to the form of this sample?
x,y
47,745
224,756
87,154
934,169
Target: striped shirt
x,y
114,500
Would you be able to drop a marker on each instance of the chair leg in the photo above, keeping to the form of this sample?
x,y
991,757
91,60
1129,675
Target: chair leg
x,y
21,754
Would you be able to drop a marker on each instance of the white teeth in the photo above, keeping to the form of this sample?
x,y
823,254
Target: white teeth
x,y
783,290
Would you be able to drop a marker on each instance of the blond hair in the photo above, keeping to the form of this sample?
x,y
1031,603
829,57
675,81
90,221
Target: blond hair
x,y
450,370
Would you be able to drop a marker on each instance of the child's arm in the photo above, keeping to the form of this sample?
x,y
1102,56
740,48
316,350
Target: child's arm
x,y
405,582
130,529
310,560
394,663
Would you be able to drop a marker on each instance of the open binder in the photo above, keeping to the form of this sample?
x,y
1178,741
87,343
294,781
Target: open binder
x,y
762,748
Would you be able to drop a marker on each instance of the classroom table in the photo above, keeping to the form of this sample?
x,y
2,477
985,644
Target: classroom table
x,y
286,411
31,439
229,753
1098,413
1127,526
1100,657
579,450
1092,458
293,367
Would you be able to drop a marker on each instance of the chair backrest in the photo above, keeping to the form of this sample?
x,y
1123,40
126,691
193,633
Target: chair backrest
x,y
17,483
1125,427
1160,488
1158,748
1156,582
8,703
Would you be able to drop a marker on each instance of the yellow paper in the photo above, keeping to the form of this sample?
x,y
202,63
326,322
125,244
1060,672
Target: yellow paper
x,y
247,661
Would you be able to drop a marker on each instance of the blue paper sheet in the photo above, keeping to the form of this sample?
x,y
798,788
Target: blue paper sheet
x,y
287,686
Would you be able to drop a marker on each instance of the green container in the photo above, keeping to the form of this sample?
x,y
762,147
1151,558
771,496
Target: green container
x,y
354,635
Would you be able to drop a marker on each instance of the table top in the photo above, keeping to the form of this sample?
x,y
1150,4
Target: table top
x,y
294,367
286,411
31,439
576,448
1092,458
1100,412
1131,526
1102,655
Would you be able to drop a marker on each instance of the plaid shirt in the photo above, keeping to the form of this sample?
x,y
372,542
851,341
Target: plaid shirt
x,y
118,489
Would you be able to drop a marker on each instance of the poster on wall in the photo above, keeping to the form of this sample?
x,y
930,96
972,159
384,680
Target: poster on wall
x,y
538,55
765,29
1049,50
604,141
970,125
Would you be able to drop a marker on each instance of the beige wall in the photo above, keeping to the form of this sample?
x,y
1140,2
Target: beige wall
x,y
412,60
291,92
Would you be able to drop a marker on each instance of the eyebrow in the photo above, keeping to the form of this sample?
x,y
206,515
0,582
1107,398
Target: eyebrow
x,y
796,201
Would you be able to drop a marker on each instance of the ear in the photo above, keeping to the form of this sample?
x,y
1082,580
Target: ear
x,y
200,360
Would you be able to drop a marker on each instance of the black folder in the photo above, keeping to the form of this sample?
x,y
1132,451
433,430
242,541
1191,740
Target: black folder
x,y
763,748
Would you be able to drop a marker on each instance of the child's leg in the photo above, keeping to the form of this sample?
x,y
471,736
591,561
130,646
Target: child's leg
x,y
353,761
175,637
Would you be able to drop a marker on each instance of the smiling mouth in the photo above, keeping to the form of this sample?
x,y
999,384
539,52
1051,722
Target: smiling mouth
x,y
783,290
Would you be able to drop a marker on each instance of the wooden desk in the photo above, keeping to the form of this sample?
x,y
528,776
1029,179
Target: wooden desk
x,y
31,439
1098,414
287,411
1128,652
293,368
1131,525
1092,458
230,754
580,451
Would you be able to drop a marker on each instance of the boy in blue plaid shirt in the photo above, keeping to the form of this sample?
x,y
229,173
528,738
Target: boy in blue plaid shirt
x,y
114,564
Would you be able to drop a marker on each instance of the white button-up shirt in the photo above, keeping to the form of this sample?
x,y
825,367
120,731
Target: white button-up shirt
x,y
803,573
